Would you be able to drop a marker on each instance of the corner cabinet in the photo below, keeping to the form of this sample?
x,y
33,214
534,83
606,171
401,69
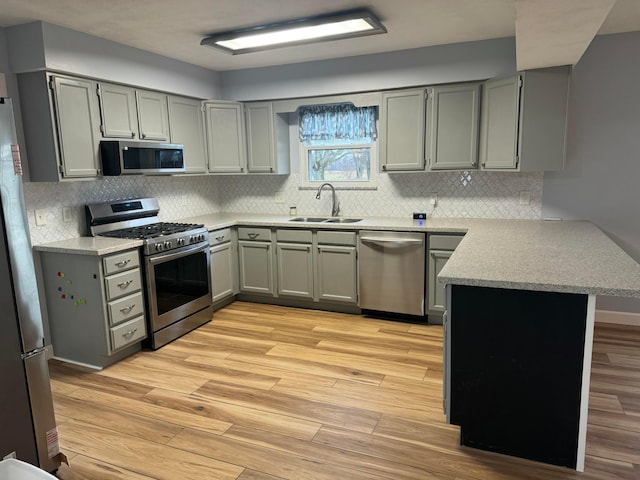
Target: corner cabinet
x,y
186,126
226,138
524,118
267,139
402,120
440,249
451,138
95,306
61,126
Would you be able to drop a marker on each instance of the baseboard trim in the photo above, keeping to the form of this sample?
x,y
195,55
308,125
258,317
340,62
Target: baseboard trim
x,y
619,318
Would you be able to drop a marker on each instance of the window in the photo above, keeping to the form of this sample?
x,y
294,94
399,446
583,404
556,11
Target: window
x,y
338,143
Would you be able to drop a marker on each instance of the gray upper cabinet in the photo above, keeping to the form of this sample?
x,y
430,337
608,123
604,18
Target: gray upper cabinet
x,y
401,140
153,118
226,138
135,114
118,111
61,126
451,139
186,126
267,139
523,123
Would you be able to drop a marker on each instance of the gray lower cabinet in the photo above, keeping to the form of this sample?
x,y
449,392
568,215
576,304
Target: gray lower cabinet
x,y
224,266
523,123
295,263
61,126
95,306
440,249
255,261
336,267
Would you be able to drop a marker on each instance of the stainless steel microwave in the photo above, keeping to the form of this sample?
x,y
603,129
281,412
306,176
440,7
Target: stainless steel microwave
x,y
141,158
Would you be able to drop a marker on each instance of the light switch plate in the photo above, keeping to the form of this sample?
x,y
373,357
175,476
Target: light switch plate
x,y
41,217
525,197
66,214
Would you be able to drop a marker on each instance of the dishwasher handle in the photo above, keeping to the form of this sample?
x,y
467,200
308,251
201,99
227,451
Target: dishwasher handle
x,y
392,241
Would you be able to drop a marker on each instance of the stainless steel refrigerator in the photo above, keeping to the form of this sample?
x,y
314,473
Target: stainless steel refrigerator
x,y
27,423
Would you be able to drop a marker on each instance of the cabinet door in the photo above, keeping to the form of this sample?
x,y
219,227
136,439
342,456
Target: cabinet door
x,y
436,292
118,111
226,145
452,126
222,271
500,123
260,137
153,118
402,130
295,270
77,122
256,267
186,126
336,267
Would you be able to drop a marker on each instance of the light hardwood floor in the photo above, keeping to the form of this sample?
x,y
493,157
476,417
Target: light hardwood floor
x,y
265,392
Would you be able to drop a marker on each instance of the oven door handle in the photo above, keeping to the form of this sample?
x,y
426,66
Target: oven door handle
x,y
179,253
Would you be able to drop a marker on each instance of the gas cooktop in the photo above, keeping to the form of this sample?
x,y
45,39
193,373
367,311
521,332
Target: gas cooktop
x,y
152,230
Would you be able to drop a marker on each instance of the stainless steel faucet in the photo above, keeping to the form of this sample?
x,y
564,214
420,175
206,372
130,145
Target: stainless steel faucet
x,y
335,205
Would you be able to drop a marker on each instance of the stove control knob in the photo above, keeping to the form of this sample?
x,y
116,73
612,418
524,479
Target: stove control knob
x,y
201,237
158,247
180,242
168,244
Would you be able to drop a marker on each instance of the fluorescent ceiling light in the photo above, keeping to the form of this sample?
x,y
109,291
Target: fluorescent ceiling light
x,y
350,24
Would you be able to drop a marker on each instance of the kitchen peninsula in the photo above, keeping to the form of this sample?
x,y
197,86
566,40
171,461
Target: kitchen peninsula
x,y
524,290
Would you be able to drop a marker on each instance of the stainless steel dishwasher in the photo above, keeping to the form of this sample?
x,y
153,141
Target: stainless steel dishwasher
x,y
391,270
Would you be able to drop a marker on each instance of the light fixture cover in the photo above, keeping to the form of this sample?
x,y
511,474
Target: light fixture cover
x,y
349,24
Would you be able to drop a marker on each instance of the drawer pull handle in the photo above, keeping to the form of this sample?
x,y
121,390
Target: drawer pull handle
x,y
123,263
125,284
253,236
130,333
128,309
220,238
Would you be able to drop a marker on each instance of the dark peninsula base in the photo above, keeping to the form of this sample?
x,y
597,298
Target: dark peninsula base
x,y
516,371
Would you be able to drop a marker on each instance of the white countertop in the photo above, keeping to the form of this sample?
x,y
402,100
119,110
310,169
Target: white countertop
x,y
560,256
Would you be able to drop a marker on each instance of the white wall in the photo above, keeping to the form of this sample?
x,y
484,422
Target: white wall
x,y
601,179
41,45
421,66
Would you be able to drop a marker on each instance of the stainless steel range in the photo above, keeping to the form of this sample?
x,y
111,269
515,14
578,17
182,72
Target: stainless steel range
x,y
176,264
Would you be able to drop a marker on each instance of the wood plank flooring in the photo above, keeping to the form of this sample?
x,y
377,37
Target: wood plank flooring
x,y
265,393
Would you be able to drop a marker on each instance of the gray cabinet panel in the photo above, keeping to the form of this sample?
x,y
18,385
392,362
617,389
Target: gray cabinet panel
x,y
337,273
118,111
452,126
436,298
186,126
256,267
226,142
295,270
260,137
402,130
153,118
223,267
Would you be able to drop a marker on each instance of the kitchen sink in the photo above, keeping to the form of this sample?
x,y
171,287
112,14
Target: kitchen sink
x,y
308,219
343,220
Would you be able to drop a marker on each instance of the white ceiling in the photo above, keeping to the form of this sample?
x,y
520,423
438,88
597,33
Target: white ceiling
x,y
548,32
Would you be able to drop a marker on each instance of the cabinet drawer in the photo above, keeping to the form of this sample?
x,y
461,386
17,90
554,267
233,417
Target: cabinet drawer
x,y
124,283
120,262
295,236
128,332
247,233
444,242
336,238
220,236
125,308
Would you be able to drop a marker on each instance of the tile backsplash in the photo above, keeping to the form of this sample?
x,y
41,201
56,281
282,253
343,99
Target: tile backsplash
x,y
459,194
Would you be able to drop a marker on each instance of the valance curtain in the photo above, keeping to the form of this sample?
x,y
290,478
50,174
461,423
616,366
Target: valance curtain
x,y
337,122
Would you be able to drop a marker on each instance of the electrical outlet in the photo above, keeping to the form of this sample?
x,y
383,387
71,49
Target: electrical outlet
x,y
525,197
433,200
41,217
279,197
66,214
183,200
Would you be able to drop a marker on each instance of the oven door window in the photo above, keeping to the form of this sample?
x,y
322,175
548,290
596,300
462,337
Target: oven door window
x,y
180,281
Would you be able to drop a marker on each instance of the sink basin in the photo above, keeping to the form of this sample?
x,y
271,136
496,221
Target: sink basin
x,y
343,220
308,219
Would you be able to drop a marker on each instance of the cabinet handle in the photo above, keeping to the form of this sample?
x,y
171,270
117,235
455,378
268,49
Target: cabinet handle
x,y
219,239
123,263
384,167
128,309
143,135
133,134
125,284
253,236
129,333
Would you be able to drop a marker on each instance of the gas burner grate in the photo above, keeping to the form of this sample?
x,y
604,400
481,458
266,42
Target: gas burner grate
x,y
152,230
